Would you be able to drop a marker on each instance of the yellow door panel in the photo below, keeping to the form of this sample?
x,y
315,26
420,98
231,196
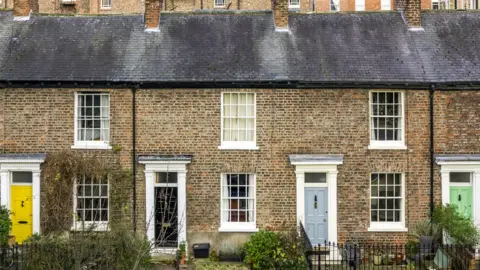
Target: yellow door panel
x,y
21,212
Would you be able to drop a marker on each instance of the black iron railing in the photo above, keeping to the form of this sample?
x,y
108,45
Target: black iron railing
x,y
373,256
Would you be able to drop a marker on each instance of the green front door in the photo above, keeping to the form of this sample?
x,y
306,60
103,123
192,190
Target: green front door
x,y
462,198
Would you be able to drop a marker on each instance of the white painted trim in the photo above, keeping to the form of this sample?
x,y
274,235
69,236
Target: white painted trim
x,y
387,226
89,144
8,166
153,30
21,18
416,29
239,145
239,226
472,167
393,145
331,171
152,167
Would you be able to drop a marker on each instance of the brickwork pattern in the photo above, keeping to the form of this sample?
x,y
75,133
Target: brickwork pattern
x,y
187,122
152,13
288,122
21,8
90,7
280,13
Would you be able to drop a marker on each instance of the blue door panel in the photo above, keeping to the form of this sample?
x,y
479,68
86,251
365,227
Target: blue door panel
x,y
316,214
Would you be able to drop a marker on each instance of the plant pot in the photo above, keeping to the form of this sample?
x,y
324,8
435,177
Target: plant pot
x,y
11,240
377,259
182,260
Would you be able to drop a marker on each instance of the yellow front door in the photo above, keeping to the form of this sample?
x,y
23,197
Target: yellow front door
x,y
21,212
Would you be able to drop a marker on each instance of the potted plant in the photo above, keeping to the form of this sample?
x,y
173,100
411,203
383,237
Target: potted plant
x,y
377,257
231,253
182,253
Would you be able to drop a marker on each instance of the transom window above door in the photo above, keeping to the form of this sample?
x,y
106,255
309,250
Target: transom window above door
x,y
92,120
238,121
387,120
387,201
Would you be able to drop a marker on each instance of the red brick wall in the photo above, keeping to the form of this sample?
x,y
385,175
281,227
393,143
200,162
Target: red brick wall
x,y
187,121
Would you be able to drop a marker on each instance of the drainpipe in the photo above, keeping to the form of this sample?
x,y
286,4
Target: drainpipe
x,y
134,160
432,150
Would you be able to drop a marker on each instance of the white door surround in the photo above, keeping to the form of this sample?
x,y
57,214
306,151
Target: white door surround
x,y
318,164
22,163
154,164
461,163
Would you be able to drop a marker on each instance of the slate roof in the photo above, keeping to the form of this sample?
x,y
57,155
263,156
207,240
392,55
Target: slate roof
x,y
374,47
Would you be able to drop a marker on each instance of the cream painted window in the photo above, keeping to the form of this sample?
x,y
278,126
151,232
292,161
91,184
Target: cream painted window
x,y
106,4
385,5
91,201
219,3
238,121
359,5
387,201
387,120
92,120
334,5
238,201
294,3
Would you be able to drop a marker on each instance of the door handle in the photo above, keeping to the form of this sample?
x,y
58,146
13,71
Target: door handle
x,y
459,197
315,202
23,222
324,220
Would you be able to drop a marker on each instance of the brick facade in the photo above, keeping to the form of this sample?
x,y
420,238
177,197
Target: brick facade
x,y
321,121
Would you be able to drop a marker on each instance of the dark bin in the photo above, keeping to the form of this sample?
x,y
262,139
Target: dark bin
x,y
201,250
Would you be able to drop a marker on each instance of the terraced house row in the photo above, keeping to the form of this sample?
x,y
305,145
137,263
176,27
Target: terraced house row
x,y
352,124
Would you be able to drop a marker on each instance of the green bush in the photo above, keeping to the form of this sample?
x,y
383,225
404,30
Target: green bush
x,y
426,228
5,225
459,228
270,250
87,250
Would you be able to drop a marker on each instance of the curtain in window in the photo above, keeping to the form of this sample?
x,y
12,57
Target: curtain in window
x,y
251,200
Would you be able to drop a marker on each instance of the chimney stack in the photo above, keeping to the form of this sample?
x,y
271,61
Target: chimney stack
x,y
280,14
152,14
412,12
21,8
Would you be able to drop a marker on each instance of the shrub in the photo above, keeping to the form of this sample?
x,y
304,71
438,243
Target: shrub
x,y
117,249
5,225
270,250
459,228
426,228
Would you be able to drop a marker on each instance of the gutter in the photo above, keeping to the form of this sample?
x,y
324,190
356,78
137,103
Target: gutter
x,y
432,150
281,84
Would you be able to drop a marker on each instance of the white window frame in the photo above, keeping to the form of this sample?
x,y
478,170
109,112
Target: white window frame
x,y
290,5
338,6
79,225
218,6
387,226
390,144
239,145
385,5
239,226
106,6
90,144
359,5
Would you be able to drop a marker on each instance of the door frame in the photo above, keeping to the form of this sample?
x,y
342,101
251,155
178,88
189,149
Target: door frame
x,y
472,167
165,164
318,164
26,164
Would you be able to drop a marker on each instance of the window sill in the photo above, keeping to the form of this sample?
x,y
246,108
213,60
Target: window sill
x,y
387,146
238,228
90,226
387,228
238,147
87,145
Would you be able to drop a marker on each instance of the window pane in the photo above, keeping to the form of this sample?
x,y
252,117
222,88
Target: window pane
x,y
238,117
92,199
93,117
315,178
389,197
22,177
385,116
166,177
238,203
460,177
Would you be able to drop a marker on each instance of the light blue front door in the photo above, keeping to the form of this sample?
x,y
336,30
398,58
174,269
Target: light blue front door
x,y
316,214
